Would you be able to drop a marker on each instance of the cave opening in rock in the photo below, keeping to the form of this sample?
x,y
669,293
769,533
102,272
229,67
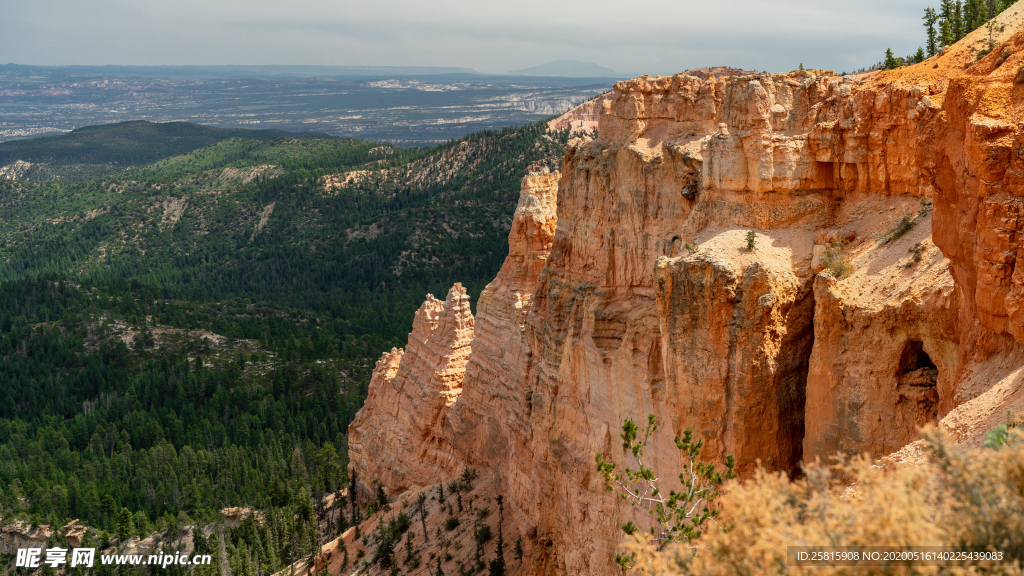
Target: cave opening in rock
x,y
913,357
916,381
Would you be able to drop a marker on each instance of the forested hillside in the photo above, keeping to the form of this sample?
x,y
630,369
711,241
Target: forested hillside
x,y
95,152
134,143
198,333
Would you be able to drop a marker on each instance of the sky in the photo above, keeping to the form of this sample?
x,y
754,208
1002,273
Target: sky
x,y
653,36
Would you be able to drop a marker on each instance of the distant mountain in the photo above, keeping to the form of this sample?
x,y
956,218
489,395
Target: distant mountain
x,y
568,68
125,144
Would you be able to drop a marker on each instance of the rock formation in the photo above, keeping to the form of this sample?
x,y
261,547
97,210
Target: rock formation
x,y
584,119
877,293
398,436
21,534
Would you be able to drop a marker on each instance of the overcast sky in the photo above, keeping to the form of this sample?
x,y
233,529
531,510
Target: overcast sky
x,y
653,36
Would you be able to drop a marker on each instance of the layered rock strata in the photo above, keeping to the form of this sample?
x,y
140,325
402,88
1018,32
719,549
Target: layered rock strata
x,y
791,265
398,437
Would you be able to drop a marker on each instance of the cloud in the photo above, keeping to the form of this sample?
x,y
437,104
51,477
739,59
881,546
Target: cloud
x,y
657,36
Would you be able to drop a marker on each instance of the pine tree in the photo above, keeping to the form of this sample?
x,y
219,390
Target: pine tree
x,y
919,55
958,20
946,29
199,544
342,521
439,571
929,25
497,566
420,503
313,542
352,495
518,550
125,526
408,548
271,543
891,61
973,15
945,33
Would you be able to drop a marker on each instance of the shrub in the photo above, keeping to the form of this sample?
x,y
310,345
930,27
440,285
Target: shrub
x,y
959,497
482,534
916,250
898,228
836,260
468,477
451,523
751,241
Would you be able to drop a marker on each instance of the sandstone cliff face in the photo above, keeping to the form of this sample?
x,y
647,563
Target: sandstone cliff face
x,y
397,438
642,295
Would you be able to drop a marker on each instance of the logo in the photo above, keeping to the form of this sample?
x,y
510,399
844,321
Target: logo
x,y
30,557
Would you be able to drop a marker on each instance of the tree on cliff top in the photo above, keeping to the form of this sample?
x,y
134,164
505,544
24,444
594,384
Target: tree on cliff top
x,y
930,18
682,516
891,61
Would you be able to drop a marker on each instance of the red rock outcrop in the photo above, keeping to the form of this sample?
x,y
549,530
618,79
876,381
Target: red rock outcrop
x,y
879,293
398,438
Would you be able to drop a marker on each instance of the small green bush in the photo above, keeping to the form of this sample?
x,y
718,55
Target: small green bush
x,y
751,241
916,250
451,523
836,260
899,228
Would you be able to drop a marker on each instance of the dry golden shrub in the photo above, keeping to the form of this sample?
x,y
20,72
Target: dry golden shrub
x,y
960,498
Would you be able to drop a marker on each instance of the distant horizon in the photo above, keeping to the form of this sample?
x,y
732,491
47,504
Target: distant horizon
x,y
398,68
664,38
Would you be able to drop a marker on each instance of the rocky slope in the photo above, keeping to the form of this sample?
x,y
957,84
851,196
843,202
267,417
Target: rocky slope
x,y
880,295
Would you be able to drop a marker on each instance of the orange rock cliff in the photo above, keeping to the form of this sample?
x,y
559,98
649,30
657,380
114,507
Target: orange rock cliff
x,y
629,289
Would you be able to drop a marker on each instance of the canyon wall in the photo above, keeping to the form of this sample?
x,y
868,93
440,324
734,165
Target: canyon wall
x,y
790,265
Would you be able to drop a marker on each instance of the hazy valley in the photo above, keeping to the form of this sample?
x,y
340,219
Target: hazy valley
x,y
405,106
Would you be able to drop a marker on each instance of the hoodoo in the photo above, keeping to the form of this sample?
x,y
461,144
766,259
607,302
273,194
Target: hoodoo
x,y
791,265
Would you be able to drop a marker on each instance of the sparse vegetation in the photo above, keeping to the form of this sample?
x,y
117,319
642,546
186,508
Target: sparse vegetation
x,y
482,534
961,497
679,516
950,23
916,250
900,227
836,260
751,238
